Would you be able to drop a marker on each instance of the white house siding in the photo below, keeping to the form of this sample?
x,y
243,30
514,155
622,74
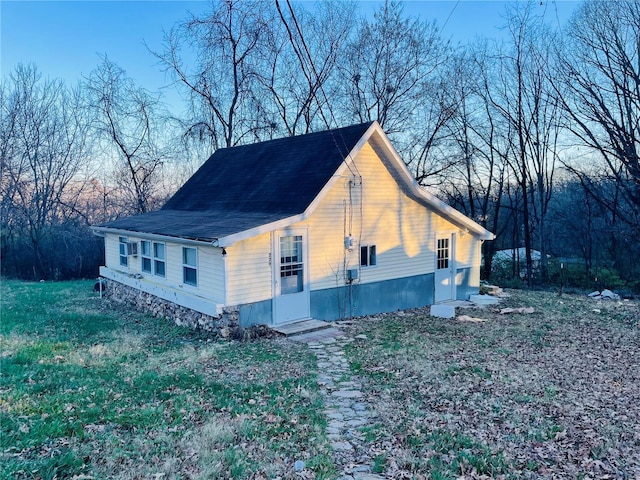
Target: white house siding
x,y
401,229
211,273
111,252
467,251
210,267
468,257
249,273
327,237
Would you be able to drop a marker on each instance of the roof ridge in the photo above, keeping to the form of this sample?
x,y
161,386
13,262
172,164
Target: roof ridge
x,y
300,136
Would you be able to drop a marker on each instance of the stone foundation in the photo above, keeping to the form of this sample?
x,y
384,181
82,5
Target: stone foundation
x,y
226,325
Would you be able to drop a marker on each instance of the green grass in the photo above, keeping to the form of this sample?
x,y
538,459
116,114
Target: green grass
x,y
88,388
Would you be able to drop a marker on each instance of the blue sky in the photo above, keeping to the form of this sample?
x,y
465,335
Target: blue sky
x,y
64,38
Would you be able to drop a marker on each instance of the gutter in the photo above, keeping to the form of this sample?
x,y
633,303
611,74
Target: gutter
x,y
100,231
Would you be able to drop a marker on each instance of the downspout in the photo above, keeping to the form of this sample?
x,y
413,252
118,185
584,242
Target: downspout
x,y
225,293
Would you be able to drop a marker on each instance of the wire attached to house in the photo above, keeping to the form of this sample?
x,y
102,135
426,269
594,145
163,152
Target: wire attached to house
x,y
311,73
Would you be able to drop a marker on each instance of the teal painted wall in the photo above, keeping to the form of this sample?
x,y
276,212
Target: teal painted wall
x,y
256,313
465,284
364,299
371,298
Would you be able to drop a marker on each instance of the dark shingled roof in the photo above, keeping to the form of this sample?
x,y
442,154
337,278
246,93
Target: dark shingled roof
x,y
243,187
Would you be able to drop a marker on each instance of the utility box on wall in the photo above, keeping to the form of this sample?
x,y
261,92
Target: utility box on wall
x,y
352,274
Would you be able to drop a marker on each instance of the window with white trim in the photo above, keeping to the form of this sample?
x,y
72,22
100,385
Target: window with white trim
x,y
368,257
190,266
145,255
122,246
158,259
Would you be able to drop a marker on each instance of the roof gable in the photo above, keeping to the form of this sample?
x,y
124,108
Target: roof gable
x,y
280,176
380,143
240,192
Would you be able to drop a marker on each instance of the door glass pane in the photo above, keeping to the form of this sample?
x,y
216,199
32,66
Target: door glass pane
x,y
443,253
291,266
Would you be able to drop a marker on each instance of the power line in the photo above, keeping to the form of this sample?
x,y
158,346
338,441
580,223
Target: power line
x,y
450,13
315,84
345,155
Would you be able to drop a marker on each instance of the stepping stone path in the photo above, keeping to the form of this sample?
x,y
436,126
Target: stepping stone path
x,y
345,407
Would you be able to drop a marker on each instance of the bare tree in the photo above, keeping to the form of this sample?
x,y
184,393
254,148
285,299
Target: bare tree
x,y
524,97
44,150
481,140
387,67
127,123
224,107
426,141
600,70
545,130
300,64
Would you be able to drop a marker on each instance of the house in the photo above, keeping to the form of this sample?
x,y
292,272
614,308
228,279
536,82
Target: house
x,y
326,225
507,260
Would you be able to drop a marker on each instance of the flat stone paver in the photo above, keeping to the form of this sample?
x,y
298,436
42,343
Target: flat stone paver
x,y
345,407
319,338
347,393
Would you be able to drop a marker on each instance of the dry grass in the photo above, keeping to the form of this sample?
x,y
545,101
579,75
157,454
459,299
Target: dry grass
x,y
552,394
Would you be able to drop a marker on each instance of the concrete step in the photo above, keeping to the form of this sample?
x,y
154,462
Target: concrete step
x,y
443,310
304,326
484,299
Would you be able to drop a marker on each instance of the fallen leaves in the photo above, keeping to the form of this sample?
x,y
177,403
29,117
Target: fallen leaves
x,y
555,394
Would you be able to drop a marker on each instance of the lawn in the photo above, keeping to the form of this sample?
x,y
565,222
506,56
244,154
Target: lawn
x,y
91,390
551,394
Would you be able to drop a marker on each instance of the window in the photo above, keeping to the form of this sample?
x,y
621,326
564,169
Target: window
x,y
368,256
124,261
158,259
190,266
443,253
291,265
145,254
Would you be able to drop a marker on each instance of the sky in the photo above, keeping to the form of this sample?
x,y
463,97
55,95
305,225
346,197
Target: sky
x,y
65,38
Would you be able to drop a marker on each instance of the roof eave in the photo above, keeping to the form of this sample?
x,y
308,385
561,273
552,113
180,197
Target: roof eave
x,y
101,230
438,205
229,240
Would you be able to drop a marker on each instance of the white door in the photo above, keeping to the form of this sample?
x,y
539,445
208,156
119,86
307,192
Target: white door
x,y
445,284
291,292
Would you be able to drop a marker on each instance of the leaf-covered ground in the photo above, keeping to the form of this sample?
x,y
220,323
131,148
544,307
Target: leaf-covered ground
x,y
551,394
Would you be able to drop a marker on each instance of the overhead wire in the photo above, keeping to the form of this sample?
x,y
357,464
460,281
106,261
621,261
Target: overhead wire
x,y
450,13
311,73
307,63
